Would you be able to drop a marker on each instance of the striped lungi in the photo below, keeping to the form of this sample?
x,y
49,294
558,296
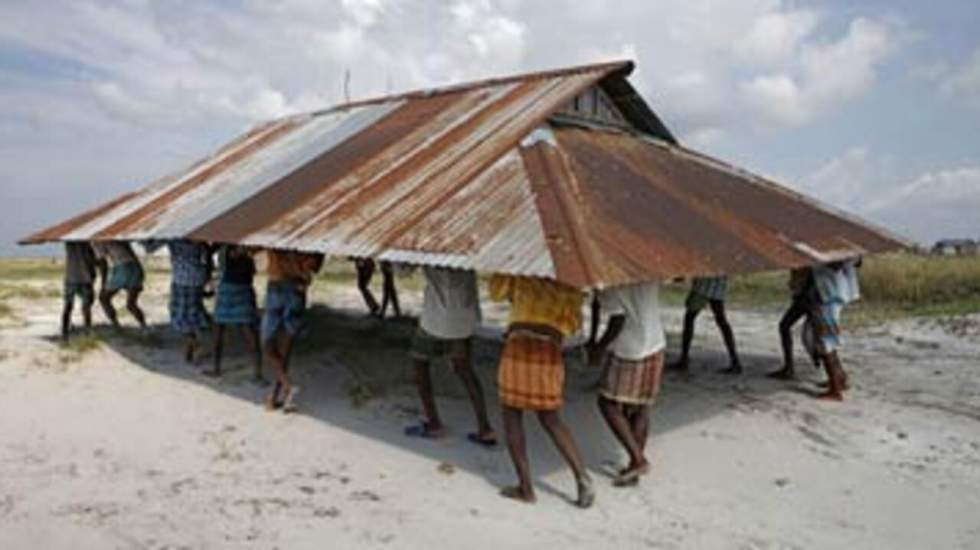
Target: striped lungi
x,y
531,375
632,382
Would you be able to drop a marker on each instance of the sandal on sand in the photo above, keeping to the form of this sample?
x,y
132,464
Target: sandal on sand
x,y
586,492
630,476
515,493
423,430
487,440
289,404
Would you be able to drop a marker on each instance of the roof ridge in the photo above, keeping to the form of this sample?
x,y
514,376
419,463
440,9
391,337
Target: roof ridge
x,y
625,66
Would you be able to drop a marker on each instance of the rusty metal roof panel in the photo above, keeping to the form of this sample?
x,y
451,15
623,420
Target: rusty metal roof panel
x,y
641,209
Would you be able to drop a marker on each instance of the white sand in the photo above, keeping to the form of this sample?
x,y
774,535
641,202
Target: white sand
x,y
126,447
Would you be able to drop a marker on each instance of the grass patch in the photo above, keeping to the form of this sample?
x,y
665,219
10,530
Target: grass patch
x,y
892,286
27,291
19,269
77,347
6,312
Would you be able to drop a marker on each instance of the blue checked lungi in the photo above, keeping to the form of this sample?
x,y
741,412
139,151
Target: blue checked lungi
x,y
285,305
187,313
235,305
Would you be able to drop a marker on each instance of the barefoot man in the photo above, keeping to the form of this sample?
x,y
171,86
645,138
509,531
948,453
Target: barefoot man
x,y
290,275
708,291
836,285
631,376
531,374
79,281
124,273
235,305
450,314
801,286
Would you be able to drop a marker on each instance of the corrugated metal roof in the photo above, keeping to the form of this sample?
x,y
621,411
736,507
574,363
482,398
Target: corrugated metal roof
x,y
441,177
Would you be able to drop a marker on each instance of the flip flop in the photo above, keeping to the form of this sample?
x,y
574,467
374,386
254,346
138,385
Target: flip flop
x,y
422,430
484,441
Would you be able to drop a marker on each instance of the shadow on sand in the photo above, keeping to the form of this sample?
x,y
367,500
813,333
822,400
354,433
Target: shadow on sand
x,y
355,373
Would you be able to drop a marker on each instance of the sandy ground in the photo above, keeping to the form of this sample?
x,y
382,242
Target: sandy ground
x,y
125,446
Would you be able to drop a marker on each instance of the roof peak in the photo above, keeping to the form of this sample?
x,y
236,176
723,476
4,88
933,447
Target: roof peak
x,y
623,66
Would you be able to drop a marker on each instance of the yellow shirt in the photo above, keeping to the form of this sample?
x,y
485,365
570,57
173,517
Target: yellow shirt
x,y
293,266
539,301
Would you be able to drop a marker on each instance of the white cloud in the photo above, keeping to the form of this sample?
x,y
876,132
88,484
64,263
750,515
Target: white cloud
x,y
964,81
927,207
826,76
775,36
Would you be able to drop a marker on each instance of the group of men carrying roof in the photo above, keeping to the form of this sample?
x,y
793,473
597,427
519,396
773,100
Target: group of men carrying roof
x,y
530,375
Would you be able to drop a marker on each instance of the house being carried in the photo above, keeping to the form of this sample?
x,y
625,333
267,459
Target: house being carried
x,y
565,174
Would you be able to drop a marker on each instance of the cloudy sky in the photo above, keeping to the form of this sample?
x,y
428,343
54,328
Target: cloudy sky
x,y
873,106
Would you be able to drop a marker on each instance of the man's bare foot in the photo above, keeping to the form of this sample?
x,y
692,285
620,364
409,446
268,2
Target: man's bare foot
x,y
486,438
831,396
425,430
784,373
631,475
271,404
289,403
732,370
586,492
681,366
518,494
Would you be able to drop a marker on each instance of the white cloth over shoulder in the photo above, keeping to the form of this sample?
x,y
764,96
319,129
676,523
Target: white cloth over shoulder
x,y
643,331
450,304
837,285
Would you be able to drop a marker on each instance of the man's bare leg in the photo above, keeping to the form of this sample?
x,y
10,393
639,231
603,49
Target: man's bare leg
x,y
621,427
563,439
794,313
365,272
87,314
276,353
721,319
105,300
423,381
66,318
389,291
217,350
690,316
252,337
132,304
463,368
835,378
517,447
639,418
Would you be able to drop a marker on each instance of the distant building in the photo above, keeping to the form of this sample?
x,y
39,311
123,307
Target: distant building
x,y
956,247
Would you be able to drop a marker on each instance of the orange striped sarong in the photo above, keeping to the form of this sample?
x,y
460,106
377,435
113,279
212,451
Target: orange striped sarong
x,y
531,375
